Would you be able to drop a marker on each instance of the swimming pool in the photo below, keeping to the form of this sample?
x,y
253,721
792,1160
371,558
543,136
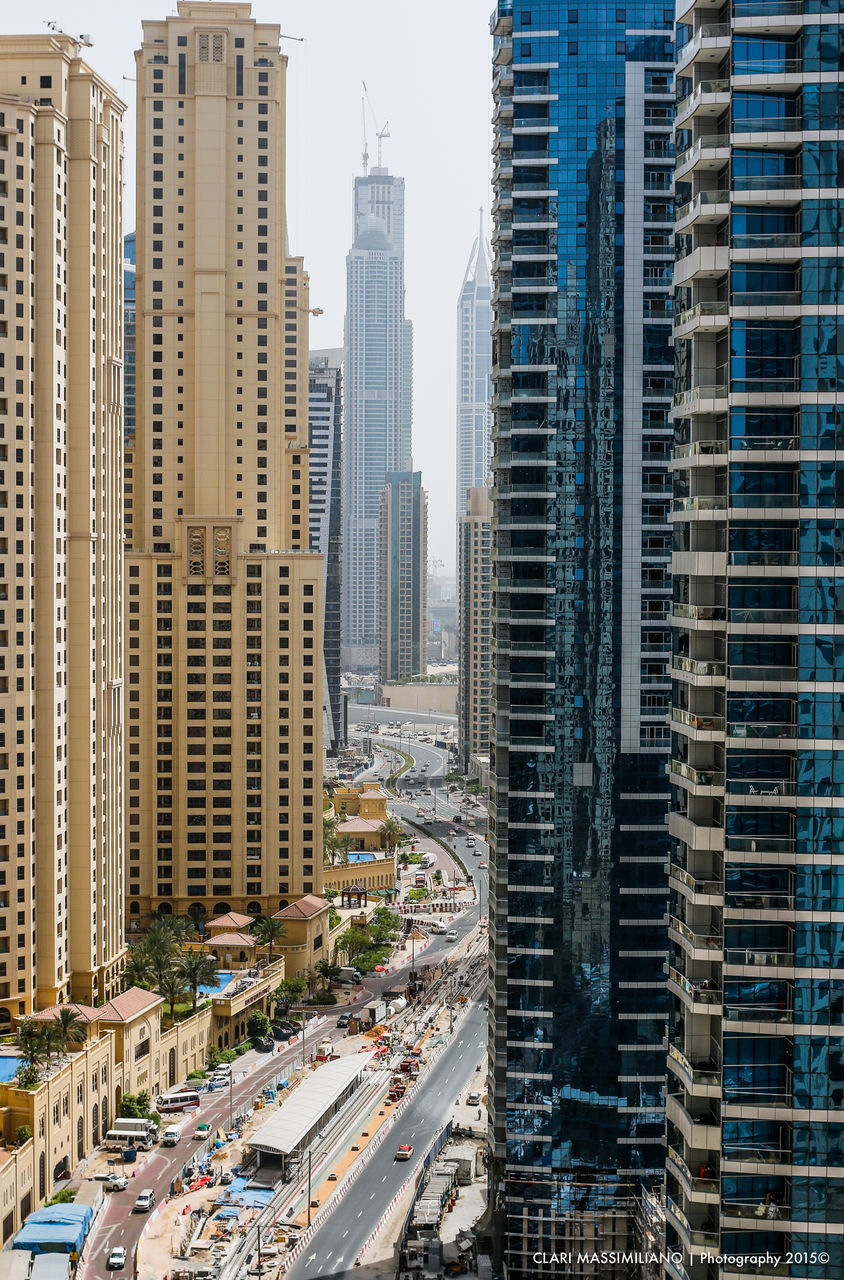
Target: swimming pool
x,y
9,1064
361,857
224,977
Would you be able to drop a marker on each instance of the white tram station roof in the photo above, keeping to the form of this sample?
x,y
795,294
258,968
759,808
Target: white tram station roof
x,y
304,1109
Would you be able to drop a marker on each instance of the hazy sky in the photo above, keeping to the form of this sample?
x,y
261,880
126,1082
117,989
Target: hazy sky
x,y
426,67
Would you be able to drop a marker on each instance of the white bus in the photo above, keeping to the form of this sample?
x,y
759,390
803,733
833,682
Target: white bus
x,y
181,1101
117,1140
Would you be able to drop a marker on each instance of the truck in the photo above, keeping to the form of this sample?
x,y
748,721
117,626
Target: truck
x,y
349,973
420,880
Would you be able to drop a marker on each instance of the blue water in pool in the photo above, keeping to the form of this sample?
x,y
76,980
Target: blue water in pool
x,y
9,1064
361,857
223,980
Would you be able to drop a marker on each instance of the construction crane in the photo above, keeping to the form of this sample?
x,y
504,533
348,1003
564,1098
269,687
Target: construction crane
x,y
381,134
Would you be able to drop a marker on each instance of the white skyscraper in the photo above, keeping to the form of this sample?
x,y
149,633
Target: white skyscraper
x,y
474,367
378,388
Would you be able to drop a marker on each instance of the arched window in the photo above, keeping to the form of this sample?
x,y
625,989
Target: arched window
x,y
197,913
95,1125
5,1017
80,1139
171,1068
242,956
221,909
253,909
164,909
282,904
42,1175
134,908
105,1114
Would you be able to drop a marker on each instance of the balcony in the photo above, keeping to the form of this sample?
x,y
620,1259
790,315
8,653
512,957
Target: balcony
x,y
700,502
704,1073
708,262
710,96
764,559
700,777
702,399
701,995
761,787
763,729
705,723
701,1190
767,124
758,1013
706,942
785,617
700,888
708,44
704,1237
698,612
700,1128
746,958
709,317
708,153
698,667
705,206
766,674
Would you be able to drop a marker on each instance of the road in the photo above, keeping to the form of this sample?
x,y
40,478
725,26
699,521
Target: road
x,y
360,714
334,1248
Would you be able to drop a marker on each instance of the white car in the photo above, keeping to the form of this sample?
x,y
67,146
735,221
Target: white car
x,y
117,1258
117,1182
144,1202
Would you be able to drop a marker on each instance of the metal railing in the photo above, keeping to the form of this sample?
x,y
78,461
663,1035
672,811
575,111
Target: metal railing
x,y
698,993
747,956
698,666
700,199
707,722
701,777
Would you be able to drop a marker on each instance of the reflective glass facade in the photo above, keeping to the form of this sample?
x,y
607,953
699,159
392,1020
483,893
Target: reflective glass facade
x,y
756,976
582,373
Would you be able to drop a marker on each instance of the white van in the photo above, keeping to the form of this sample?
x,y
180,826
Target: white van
x,y
171,1135
223,1070
439,927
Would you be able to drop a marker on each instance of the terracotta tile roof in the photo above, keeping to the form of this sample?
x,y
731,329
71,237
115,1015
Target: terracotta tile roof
x,y
231,920
232,940
303,908
353,825
85,1012
128,1005
373,794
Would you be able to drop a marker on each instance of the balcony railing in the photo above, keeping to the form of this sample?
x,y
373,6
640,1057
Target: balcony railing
x,y
701,199
746,956
710,887
702,392
698,666
762,558
704,87
707,722
702,612
768,124
780,443
760,844
757,1013
763,729
762,673
761,786
774,240
701,309
697,1184
706,143
697,1074
699,993
740,1209
764,615
701,777
701,502
774,298
700,941
767,67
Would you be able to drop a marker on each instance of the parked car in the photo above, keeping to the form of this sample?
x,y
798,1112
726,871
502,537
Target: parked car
x,y
117,1258
144,1202
117,1182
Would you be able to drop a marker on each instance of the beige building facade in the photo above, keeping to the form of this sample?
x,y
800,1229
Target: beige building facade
x,y
224,598
61,607
474,623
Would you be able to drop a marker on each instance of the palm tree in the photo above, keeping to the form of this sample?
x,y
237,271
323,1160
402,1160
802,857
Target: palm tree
x,y
197,969
172,988
392,831
67,1029
269,930
162,946
327,971
330,844
139,970
32,1042
344,845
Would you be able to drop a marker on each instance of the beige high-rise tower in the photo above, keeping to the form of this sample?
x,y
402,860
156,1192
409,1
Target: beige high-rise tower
x,y
224,598
474,623
61,643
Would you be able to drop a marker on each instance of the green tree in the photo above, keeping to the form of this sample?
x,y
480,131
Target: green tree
x,y
139,970
258,1025
345,845
67,1030
33,1042
392,831
328,971
288,991
353,942
135,1106
331,895
173,988
162,946
197,969
22,1134
269,930
311,980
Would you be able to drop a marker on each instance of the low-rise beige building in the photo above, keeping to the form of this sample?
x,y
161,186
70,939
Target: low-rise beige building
x,y
377,874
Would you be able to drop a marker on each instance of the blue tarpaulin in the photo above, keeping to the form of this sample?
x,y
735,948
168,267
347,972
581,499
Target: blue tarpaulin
x,y
60,1228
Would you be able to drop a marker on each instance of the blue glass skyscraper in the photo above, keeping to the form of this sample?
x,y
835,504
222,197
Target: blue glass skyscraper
x,y
579,793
